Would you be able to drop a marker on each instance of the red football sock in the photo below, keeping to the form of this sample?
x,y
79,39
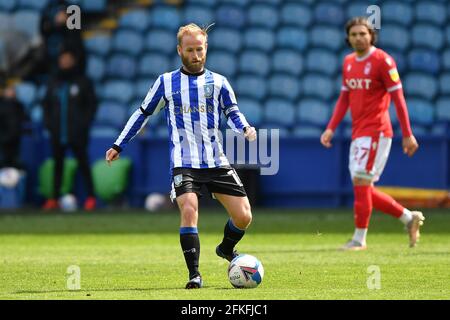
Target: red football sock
x,y
385,203
362,206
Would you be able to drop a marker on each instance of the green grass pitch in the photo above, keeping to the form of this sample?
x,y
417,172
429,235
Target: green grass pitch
x,y
136,255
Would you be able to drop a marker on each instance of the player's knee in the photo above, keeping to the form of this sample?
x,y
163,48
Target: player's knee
x,y
189,212
361,182
246,216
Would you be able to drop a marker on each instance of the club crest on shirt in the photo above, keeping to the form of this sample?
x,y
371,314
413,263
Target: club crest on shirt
x,y
74,90
349,67
367,68
393,73
177,180
209,89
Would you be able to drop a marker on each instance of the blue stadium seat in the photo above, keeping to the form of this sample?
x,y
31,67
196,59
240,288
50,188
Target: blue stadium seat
x,y
238,3
284,86
443,109
162,41
329,13
99,44
444,84
27,21
252,110
357,9
446,59
288,61
292,38
319,60
251,86
318,86
225,38
420,111
394,36
128,41
95,67
259,39
254,62
31,4
5,20
7,5
112,114
26,93
104,132
396,13
424,60
263,16
230,16
296,14
138,20
431,11
222,62
154,64
420,85
327,37
428,36
93,6
440,129
307,132
200,15
121,66
400,60
118,90
313,111
165,17
271,2
393,114
447,34
204,3
143,85
418,130
279,112
270,127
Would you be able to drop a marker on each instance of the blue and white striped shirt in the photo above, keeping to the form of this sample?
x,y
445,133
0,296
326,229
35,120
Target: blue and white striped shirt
x,y
193,105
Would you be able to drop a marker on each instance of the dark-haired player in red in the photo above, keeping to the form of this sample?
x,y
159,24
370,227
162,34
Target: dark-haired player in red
x,y
369,81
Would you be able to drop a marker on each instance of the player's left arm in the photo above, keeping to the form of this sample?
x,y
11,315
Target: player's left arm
x,y
393,85
235,119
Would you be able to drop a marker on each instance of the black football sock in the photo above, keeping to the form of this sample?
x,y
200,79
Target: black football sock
x,y
231,236
190,244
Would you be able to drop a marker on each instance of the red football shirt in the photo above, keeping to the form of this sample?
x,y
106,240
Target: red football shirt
x,y
369,81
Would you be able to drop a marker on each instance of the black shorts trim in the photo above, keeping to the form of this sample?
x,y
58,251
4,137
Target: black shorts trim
x,y
223,180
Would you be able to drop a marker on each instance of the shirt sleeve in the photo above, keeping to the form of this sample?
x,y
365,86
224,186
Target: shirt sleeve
x,y
152,104
389,74
228,103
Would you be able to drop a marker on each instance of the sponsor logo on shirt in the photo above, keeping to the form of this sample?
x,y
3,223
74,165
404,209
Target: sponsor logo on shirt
x,y
356,83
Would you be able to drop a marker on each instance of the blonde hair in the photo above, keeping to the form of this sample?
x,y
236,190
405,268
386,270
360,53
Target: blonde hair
x,y
192,28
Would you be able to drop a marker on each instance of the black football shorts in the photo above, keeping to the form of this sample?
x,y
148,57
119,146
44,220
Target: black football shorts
x,y
216,180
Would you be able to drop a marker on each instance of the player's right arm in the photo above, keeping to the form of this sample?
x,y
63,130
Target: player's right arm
x,y
152,104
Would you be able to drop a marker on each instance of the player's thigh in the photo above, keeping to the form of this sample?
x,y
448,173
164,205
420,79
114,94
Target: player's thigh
x,y
367,157
188,206
238,208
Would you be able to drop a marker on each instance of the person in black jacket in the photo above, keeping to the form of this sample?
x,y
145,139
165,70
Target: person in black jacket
x,y
69,109
57,35
12,118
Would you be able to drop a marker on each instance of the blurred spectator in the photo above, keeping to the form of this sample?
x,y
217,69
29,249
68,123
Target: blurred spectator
x,y
69,109
12,118
56,36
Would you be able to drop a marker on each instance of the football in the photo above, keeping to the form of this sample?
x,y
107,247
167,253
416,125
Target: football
x,y
245,271
68,202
